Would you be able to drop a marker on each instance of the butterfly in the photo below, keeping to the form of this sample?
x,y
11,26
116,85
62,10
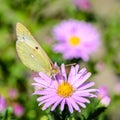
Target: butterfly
x,y
31,53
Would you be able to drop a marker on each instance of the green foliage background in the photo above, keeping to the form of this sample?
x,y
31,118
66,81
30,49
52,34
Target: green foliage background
x,y
40,16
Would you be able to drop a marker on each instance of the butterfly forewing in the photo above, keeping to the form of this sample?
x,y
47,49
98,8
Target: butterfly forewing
x,y
30,52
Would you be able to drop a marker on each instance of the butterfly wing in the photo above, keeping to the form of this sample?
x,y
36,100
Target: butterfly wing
x,y
30,52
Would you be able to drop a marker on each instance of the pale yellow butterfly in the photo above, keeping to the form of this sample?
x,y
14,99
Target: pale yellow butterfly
x,y
31,53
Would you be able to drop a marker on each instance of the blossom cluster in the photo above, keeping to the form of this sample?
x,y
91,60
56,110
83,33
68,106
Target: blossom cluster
x,y
76,39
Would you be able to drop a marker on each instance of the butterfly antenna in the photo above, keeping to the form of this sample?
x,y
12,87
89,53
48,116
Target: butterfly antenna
x,y
70,64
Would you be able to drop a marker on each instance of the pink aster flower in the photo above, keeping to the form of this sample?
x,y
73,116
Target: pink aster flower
x,y
73,90
75,39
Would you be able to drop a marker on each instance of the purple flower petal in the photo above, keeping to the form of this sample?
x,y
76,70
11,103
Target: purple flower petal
x,y
62,104
63,71
69,105
74,104
49,102
55,104
82,80
87,85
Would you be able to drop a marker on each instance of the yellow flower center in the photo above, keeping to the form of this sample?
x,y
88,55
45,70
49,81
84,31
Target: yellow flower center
x,y
65,90
74,41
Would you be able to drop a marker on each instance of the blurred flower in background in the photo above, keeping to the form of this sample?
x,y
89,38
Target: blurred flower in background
x,y
18,109
103,96
82,4
118,87
105,101
11,100
100,66
2,104
72,90
103,91
76,39
13,93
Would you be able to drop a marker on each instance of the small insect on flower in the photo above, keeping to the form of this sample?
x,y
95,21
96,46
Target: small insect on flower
x,y
75,39
73,90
